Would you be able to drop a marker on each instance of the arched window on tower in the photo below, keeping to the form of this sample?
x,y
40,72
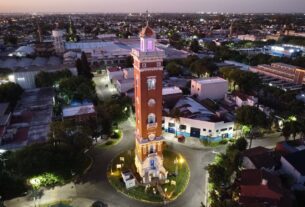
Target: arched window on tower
x,y
151,118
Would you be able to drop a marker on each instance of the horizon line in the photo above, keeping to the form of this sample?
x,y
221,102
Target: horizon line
x,y
137,12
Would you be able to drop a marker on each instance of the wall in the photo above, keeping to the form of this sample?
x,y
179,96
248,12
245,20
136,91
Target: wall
x,y
213,126
213,91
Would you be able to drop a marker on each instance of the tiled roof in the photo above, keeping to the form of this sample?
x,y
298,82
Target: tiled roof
x,y
147,32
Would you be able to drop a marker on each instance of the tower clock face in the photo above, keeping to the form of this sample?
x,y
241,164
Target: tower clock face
x,y
151,137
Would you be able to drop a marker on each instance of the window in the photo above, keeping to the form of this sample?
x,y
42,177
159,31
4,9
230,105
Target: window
x,y
225,129
230,128
159,64
204,130
217,130
150,45
210,130
171,124
151,83
182,127
151,118
143,65
151,102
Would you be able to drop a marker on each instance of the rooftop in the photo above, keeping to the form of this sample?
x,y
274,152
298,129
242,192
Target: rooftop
x,y
30,63
84,109
210,80
296,159
147,32
262,157
3,108
259,186
189,108
171,90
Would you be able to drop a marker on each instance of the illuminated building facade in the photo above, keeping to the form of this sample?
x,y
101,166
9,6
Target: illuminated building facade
x,y
148,75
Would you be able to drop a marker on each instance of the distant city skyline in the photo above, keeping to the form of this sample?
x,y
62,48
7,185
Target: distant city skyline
x,y
96,6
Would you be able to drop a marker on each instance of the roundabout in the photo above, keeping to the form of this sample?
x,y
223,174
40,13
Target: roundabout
x,y
155,192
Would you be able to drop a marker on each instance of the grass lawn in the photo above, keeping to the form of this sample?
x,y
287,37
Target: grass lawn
x,y
139,193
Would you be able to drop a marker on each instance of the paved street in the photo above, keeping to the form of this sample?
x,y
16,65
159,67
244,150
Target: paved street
x,y
94,185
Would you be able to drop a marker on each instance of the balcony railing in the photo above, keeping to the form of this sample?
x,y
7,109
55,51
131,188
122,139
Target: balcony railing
x,y
152,125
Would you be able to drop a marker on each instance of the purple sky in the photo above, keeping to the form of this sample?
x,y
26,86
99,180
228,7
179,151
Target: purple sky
x,y
286,6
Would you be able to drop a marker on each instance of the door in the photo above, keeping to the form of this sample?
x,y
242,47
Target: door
x,y
195,132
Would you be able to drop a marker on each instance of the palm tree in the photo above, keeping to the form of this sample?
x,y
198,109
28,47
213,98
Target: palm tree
x,y
292,127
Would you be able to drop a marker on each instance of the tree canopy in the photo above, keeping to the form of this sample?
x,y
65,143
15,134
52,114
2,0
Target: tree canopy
x,y
83,67
10,92
194,46
45,79
203,67
246,81
77,87
251,116
173,69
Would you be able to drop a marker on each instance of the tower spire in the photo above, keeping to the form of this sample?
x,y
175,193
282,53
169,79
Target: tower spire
x,y
147,19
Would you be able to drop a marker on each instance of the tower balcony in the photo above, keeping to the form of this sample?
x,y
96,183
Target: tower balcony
x,y
157,53
152,125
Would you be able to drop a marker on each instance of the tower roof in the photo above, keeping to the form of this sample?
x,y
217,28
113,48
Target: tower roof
x,y
147,31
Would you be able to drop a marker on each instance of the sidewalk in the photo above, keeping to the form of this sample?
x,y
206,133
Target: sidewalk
x,y
66,192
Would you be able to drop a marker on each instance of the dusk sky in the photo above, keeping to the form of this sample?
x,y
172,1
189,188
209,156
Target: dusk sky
x,y
286,6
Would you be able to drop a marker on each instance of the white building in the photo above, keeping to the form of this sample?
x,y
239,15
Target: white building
x,y
248,37
124,85
58,41
245,100
128,179
115,73
213,88
197,121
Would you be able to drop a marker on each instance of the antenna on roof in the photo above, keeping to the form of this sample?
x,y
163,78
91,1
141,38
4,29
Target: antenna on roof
x,y
147,15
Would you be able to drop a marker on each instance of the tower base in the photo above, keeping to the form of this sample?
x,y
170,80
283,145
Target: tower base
x,y
151,167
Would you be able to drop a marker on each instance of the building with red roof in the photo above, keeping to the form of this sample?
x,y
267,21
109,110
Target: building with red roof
x,y
261,188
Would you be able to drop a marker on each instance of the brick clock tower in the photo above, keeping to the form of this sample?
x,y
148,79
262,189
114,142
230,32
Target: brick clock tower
x,y
148,75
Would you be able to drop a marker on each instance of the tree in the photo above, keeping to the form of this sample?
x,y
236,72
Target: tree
x,y
77,87
10,92
246,81
83,66
10,39
45,79
70,133
252,118
189,60
173,69
203,67
195,47
217,175
292,127
241,144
